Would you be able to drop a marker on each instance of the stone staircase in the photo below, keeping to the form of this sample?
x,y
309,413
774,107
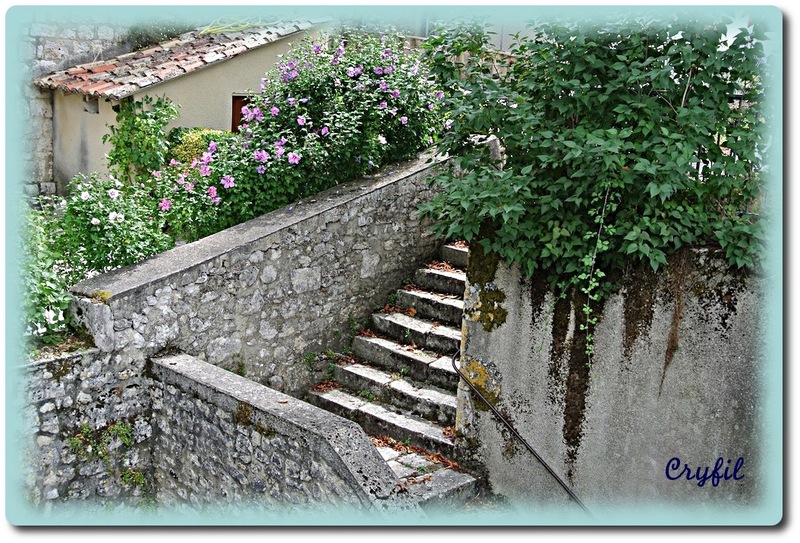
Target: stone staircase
x,y
400,386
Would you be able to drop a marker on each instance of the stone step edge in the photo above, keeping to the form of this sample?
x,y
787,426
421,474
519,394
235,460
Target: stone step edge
x,y
431,434
423,400
416,363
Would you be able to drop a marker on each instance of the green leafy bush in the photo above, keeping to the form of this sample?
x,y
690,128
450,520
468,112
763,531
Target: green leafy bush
x,y
621,143
107,224
187,144
138,139
331,111
45,282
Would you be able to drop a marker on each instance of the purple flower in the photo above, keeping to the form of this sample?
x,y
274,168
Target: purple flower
x,y
439,94
340,49
206,158
324,131
279,152
393,111
316,48
430,107
212,192
227,181
274,110
403,120
291,101
181,179
260,155
382,105
301,120
174,162
396,93
383,85
293,158
164,205
156,173
388,70
261,169
205,171
378,70
448,124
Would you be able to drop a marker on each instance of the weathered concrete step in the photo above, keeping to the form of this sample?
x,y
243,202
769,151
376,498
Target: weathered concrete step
x,y
425,401
417,364
448,282
433,305
429,335
428,483
376,418
458,257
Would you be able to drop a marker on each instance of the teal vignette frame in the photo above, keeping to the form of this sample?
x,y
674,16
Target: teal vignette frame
x,y
769,513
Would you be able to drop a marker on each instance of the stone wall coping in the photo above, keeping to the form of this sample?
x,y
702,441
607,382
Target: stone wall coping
x,y
341,442
128,279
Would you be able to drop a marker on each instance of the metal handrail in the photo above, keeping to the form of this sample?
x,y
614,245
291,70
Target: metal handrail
x,y
518,436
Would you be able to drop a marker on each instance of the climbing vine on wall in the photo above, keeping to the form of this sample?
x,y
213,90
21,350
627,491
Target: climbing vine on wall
x,y
622,143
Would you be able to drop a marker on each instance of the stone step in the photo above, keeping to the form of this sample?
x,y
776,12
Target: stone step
x,y
427,480
425,401
377,418
447,282
446,308
417,364
426,334
458,257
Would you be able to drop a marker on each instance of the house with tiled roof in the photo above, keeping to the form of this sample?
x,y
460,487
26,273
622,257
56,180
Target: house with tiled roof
x,y
208,74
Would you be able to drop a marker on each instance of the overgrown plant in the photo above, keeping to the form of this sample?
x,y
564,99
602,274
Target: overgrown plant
x,y
622,143
139,142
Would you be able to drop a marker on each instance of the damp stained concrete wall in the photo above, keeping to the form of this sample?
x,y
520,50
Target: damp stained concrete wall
x,y
676,373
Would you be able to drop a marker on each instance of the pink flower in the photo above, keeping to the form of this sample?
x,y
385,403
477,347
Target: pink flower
x,y
206,158
227,181
396,93
324,131
205,171
430,107
212,193
156,174
382,105
274,110
378,70
174,162
448,124
260,155
212,146
293,158
261,169
164,205
403,119
439,94
301,121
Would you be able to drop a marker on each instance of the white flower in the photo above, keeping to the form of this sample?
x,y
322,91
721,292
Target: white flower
x,y
95,221
381,140
113,193
115,217
85,195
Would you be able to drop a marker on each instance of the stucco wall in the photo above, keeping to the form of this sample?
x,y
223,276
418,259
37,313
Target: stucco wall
x,y
676,374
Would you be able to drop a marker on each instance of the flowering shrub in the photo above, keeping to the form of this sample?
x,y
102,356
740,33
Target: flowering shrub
x,y
333,110
107,224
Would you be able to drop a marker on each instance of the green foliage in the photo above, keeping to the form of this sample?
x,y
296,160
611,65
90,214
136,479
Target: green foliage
x,y
138,140
44,279
107,224
620,144
89,444
186,144
331,111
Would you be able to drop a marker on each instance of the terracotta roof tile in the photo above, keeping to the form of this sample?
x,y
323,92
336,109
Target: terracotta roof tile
x,y
128,73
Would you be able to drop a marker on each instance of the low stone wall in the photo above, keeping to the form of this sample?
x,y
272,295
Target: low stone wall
x,y
674,386
105,393
260,297
222,440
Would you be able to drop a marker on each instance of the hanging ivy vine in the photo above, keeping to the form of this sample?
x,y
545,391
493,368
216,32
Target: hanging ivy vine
x,y
622,143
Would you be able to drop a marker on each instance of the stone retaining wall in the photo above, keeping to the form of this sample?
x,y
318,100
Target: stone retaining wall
x,y
262,297
222,439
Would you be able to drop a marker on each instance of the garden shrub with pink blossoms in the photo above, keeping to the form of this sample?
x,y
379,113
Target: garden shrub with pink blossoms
x,y
332,110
